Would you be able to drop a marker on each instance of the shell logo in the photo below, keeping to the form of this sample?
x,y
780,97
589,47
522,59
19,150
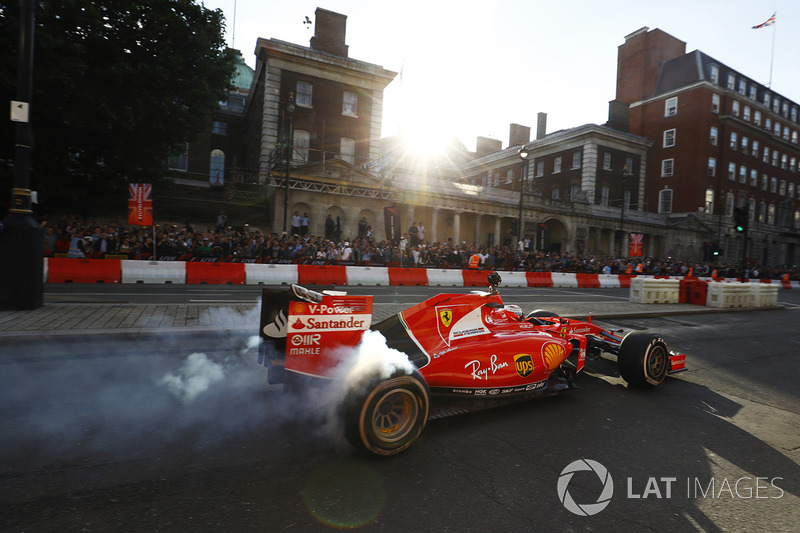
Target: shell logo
x,y
552,355
298,308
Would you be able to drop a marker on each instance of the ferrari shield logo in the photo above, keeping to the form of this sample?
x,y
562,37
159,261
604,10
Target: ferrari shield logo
x,y
446,316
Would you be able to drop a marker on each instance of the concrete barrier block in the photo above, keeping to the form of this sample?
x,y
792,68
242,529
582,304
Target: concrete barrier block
x,y
654,291
727,295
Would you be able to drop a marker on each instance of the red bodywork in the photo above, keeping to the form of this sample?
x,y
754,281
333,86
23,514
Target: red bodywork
x,y
471,342
462,344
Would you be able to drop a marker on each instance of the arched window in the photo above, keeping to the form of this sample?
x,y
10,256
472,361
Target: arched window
x,y
216,173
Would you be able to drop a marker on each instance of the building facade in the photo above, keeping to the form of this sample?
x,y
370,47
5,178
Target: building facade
x,y
688,139
720,141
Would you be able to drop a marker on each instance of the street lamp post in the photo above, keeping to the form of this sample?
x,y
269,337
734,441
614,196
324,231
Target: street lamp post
x,y
21,236
625,174
721,197
288,109
523,154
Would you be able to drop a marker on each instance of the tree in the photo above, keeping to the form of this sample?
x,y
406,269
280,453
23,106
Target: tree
x,y
118,88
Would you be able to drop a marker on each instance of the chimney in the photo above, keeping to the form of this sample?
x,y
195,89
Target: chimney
x,y
518,134
541,125
618,116
329,32
485,146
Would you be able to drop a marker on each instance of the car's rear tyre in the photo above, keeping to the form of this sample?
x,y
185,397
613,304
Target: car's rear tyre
x,y
389,415
643,359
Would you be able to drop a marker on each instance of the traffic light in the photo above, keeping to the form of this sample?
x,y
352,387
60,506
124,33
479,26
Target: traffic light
x,y
740,218
717,251
708,250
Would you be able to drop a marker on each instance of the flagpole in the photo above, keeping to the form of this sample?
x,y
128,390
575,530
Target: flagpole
x,y
772,55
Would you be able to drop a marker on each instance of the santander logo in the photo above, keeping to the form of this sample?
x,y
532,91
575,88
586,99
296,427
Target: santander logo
x,y
277,330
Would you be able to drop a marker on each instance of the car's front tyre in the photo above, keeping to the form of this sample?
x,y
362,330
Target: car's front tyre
x,y
643,359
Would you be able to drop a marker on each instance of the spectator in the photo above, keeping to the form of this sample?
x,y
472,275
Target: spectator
x,y
413,234
76,246
49,241
362,228
295,224
337,229
304,224
329,227
222,219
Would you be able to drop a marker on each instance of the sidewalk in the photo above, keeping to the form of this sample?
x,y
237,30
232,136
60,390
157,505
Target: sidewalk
x,y
73,319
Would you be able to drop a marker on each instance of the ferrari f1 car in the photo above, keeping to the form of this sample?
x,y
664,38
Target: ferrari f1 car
x,y
469,348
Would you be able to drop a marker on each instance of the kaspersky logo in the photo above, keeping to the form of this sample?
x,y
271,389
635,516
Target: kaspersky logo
x,y
591,508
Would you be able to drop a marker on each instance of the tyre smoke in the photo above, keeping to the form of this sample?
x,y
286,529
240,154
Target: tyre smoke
x,y
115,398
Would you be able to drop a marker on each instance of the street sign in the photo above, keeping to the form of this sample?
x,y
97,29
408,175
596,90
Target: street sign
x,y
19,111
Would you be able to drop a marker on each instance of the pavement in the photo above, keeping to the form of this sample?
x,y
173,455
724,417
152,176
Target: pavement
x,y
64,320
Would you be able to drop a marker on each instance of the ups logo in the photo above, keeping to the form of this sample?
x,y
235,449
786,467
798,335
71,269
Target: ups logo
x,y
524,364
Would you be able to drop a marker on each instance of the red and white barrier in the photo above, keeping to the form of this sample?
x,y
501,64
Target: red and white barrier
x,y
62,270
153,271
368,276
258,274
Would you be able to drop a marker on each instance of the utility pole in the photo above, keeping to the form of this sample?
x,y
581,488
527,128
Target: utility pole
x,y
21,236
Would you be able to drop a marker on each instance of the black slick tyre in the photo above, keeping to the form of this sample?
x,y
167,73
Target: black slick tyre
x,y
389,415
643,359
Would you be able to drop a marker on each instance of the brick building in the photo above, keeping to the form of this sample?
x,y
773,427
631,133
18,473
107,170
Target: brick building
x,y
721,140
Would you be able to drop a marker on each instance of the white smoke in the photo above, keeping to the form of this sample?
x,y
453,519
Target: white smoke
x,y
372,359
117,397
361,368
195,376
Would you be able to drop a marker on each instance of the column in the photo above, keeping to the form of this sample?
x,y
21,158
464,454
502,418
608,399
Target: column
x,y
456,228
476,237
434,229
497,240
409,218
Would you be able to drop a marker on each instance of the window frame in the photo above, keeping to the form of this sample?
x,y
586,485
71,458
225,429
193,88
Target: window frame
x,y
667,167
304,98
668,139
671,106
346,155
347,105
665,204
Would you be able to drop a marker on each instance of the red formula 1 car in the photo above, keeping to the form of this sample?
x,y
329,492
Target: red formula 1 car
x,y
462,348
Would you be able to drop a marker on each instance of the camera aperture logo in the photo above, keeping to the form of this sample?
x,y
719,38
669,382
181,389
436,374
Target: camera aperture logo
x,y
586,509
743,488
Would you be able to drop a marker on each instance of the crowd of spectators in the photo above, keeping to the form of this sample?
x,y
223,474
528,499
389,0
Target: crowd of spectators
x,y
71,237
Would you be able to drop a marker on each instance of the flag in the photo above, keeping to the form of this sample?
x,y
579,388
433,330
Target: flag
x,y
392,224
635,244
770,22
140,204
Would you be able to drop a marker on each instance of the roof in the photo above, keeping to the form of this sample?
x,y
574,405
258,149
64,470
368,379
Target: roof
x,y
243,77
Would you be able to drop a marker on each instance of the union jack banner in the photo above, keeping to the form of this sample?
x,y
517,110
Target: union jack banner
x,y
770,22
140,204
635,244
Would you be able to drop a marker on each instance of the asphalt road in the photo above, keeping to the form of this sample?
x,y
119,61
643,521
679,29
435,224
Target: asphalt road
x,y
104,434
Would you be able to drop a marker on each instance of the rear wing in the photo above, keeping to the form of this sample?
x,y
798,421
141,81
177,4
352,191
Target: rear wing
x,y
308,328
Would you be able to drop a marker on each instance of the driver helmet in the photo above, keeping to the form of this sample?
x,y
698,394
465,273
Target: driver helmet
x,y
513,312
